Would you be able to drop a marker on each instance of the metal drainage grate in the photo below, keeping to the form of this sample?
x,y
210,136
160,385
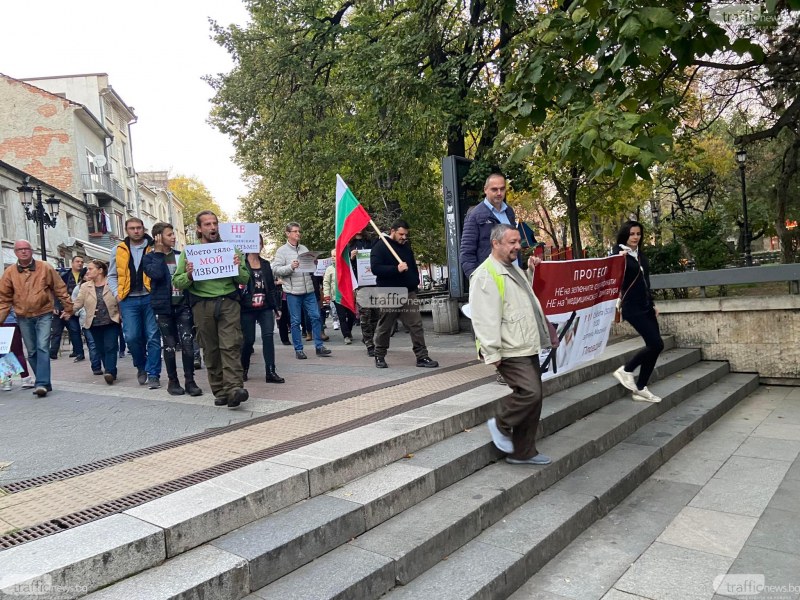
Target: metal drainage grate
x,y
131,500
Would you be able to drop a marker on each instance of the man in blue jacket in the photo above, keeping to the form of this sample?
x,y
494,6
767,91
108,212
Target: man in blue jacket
x,y
475,243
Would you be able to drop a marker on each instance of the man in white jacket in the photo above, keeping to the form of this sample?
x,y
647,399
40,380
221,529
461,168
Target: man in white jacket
x,y
511,329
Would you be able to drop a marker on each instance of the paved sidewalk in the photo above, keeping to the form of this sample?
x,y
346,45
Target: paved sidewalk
x,y
727,503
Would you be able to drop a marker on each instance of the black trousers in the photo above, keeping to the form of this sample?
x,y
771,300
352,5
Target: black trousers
x,y
646,325
177,333
347,319
266,321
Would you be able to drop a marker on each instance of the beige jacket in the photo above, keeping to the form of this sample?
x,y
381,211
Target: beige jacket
x,y
508,323
87,298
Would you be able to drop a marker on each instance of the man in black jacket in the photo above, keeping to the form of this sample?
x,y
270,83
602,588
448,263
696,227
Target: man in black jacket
x,y
391,274
71,278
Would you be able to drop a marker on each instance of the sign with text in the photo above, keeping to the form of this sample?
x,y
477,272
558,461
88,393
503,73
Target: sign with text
x,y
322,266
6,335
243,236
578,297
308,262
211,261
364,268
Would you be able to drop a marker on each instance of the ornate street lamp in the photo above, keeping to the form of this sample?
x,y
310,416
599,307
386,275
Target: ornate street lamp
x,y
741,158
35,211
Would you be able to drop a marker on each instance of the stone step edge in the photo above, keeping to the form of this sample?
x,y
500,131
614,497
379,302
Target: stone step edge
x,y
535,481
245,486
593,498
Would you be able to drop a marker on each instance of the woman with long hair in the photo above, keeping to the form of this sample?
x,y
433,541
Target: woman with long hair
x,y
639,310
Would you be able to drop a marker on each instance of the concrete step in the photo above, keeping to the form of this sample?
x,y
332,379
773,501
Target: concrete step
x,y
191,517
506,554
431,530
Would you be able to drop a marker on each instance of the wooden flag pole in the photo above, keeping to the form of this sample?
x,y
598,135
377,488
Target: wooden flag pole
x,y
385,241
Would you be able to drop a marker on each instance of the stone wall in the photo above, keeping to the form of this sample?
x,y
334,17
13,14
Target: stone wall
x,y
754,334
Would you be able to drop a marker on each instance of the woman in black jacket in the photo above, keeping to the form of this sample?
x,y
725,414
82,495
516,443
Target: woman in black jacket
x,y
260,301
638,310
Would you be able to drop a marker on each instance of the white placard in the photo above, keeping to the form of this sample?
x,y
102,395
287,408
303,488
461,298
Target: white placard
x,y
365,275
6,335
243,236
211,261
307,262
322,265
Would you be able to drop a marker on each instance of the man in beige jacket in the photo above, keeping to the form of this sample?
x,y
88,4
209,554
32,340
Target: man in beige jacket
x,y
510,329
29,286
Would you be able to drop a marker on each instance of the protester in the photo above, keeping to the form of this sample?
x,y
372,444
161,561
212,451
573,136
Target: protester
x,y
299,289
639,310
346,316
511,329
72,279
367,315
29,287
95,360
17,350
260,301
102,315
173,315
405,275
131,285
217,317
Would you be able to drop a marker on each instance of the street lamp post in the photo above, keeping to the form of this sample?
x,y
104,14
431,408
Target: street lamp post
x,y
35,211
741,158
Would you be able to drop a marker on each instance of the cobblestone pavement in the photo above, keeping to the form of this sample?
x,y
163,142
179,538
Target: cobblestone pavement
x,y
84,420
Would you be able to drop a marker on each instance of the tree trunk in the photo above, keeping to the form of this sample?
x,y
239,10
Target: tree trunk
x,y
789,169
573,213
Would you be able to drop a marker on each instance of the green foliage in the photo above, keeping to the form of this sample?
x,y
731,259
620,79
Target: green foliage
x,y
704,236
196,198
665,258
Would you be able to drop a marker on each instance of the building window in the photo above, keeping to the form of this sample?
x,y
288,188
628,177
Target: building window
x,y
118,229
72,223
4,213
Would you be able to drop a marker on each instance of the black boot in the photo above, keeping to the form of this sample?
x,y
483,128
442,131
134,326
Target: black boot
x,y
273,377
244,374
174,388
191,388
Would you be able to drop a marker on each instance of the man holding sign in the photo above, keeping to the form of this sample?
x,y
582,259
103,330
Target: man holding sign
x,y
211,272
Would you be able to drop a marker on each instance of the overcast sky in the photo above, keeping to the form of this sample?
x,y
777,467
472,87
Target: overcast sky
x,y
155,53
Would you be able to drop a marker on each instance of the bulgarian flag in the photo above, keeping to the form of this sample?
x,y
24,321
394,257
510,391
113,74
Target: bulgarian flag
x,y
350,219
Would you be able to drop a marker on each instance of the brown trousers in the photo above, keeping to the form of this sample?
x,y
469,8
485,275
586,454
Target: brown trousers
x,y
410,317
518,413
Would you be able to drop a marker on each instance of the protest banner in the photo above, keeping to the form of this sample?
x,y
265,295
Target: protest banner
x,y
211,261
364,273
578,297
6,335
243,236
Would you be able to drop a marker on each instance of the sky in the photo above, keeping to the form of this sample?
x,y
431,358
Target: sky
x,y
155,54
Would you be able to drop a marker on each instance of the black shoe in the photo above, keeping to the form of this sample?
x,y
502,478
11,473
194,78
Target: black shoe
x,y
220,402
273,377
141,377
371,352
122,353
53,356
300,355
109,378
244,375
79,358
174,388
153,382
198,364
72,355
323,351
97,371
380,362
237,396
427,362
286,342
192,389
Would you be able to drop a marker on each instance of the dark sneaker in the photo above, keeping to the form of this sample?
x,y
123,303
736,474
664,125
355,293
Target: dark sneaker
x,y
53,356
97,371
237,396
153,382
79,358
427,362
192,388
122,353
499,379
323,351
220,402
141,377
198,364
72,355
371,352
174,388
380,362
300,355
244,375
539,459
109,378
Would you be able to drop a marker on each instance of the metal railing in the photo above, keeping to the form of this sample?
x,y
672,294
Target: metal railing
x,y
103,183
744,275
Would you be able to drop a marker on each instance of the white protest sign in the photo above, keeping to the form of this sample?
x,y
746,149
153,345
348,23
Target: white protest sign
x,y
307,262
211,261
322,265
6,334
365,275
243,236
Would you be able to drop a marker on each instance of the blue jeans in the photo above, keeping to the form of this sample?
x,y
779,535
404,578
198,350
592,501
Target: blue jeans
x,y
140,329
107,339
36,335
308,303
94,355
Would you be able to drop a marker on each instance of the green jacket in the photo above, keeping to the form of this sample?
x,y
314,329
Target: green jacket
x,y
209,288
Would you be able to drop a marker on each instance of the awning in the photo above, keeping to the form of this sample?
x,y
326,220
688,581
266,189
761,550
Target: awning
x,y
90,249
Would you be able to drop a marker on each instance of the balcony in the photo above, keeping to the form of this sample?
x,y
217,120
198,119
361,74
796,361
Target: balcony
x,y
102,186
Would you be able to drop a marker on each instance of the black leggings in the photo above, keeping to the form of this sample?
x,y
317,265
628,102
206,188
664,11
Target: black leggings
x,y
645,325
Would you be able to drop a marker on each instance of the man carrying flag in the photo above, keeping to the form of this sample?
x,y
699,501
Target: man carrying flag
x,y
351,218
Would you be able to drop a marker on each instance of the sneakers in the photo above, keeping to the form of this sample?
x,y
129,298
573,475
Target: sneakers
x,y
645,395
237,396
79,358
7,384
300,355
539,459
28,382
141,376
40,391
323,351
174,388
625,378
97,371
348,341
153,382
192,389
380,362
501,440
336,325
499,379
371,352
427,362
109,378
122,353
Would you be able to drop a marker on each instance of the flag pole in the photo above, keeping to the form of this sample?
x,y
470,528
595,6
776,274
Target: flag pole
x,y
385,241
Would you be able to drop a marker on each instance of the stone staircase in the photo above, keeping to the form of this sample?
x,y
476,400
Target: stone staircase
x,y
415,506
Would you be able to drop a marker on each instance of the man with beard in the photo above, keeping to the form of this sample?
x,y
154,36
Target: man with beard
x,y
217,317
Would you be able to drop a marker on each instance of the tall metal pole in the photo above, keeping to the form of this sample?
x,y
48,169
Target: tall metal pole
x,y
748,258
39,213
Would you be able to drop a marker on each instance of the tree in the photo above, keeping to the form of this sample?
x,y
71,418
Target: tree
x,y
196,198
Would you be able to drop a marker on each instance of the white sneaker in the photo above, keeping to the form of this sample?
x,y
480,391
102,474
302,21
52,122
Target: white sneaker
x,y
348,341
336,324
28,382
501,440
645,395
7,385
626,379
